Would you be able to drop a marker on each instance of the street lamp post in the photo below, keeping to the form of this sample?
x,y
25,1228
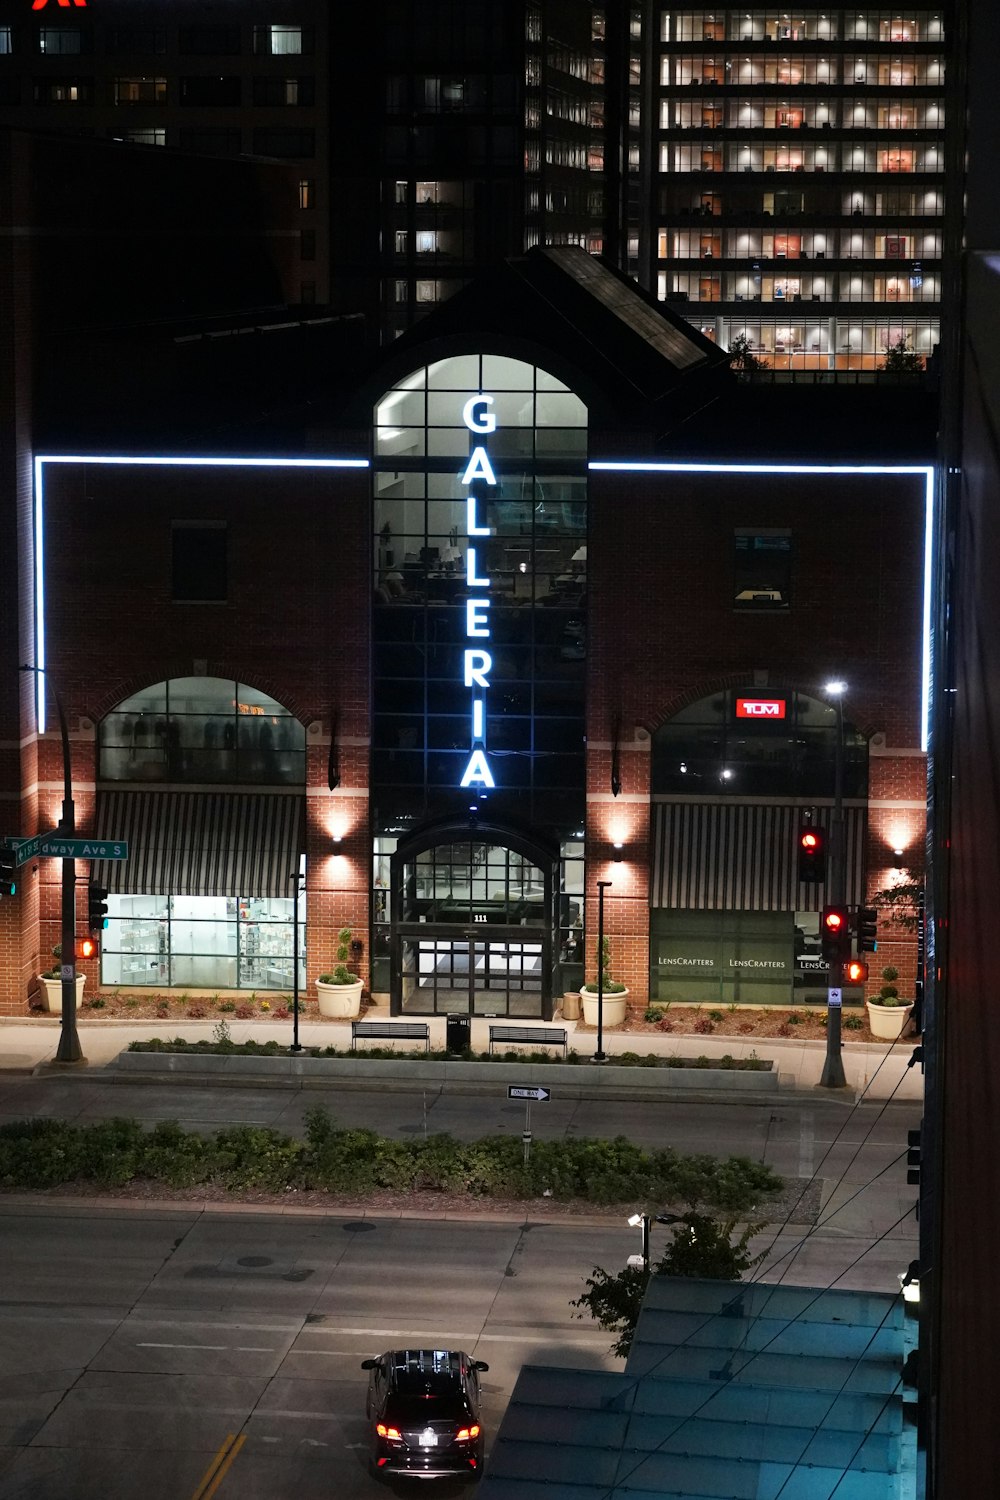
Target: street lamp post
x,y
833,1076
296,879
600,1055
69,1049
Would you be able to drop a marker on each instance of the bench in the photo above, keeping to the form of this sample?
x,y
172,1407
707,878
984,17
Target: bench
x,y
393,1031
529,1036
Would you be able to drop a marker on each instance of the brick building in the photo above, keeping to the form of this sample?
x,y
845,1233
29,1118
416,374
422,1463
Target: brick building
x,y
548,598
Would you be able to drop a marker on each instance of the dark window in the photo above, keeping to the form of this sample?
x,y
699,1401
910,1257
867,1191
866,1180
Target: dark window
x,y
209,41
307,248
284,91
284,143
210,91
136,39
10,90
199,561
763,569
211,142
61,41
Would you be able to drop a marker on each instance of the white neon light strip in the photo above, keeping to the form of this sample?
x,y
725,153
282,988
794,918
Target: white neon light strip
x,y
927,470
41,459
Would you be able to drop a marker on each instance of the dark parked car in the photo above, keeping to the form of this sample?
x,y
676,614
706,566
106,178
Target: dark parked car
x,y
424,1413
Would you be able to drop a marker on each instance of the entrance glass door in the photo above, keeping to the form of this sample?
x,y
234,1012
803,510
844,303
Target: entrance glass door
x,y
494,973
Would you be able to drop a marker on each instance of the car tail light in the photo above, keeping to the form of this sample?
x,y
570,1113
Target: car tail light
x,y
392,1433
466,1434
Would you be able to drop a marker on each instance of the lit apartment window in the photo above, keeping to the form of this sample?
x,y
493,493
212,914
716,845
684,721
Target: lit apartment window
x,y
58,41
763,568
284,91
307,193
400,241
140,90
427,291
280,41
62,91
400,291
6,41
400,192
150,137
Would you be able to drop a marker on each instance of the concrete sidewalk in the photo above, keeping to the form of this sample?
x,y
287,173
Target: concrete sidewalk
x,y
877,1070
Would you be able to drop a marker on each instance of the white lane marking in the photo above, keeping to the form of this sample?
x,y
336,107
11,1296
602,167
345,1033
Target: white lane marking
x,y
464,1340
182,1346
255,1349
807,1143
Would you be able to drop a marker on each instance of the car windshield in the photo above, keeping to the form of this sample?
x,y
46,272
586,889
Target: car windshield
x,y
442,1407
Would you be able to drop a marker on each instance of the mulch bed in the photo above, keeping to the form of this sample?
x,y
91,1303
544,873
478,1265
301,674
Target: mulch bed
x,y
805,1023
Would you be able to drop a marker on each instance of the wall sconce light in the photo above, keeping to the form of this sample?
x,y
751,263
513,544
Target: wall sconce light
x,y
338,838
897,858
618,853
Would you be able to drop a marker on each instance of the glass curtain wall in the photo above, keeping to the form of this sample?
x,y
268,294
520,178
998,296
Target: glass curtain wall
x,y
527,561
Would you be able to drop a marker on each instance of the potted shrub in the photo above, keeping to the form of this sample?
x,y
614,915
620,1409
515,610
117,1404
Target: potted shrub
x,y
51,983
615,994
340,992
887,1013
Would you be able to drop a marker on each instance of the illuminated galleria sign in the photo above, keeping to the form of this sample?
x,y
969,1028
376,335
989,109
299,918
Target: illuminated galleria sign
x,y
477,662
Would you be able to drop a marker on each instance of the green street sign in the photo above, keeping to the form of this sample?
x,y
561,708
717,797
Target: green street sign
x,y
25,849
55,847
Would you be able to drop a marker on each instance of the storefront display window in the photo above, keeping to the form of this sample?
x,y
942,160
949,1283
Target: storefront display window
x,y
201,942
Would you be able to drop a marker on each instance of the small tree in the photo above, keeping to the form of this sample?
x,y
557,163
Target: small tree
x,y
701,1246
901,902
742,358
341,973
900,358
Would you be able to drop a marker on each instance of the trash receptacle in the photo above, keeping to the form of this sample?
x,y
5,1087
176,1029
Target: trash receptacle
x,y
458,1033
571,1005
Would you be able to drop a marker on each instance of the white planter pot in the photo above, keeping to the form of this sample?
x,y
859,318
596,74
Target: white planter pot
x,y
340,1001
614,1007
52,991
887,1021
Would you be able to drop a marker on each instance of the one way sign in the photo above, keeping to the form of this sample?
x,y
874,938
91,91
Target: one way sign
x,y
540,1095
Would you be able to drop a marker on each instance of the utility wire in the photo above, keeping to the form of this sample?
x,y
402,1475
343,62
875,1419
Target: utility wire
x,y
730,1377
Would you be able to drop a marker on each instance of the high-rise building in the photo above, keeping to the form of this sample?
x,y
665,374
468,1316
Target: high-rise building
x,y
799,178
776,177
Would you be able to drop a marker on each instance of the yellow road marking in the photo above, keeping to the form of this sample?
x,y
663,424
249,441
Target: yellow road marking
x,y
219,1467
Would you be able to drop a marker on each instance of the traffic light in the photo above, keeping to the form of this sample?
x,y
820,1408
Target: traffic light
x,y
812,855
86,947
913,1158
835,934
97,907
867,929
8,873
855,971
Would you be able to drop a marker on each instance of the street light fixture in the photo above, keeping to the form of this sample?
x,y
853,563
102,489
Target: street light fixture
x,y
642,1223
833,1076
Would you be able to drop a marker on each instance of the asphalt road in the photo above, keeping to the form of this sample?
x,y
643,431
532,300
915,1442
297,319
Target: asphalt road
x,y
144,1350
133,1343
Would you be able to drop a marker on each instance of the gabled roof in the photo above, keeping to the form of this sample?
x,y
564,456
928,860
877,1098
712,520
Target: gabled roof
x,y
732,1391
627,356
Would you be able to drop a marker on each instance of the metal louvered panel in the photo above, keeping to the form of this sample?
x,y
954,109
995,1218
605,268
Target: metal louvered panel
x,y
201,843
742,856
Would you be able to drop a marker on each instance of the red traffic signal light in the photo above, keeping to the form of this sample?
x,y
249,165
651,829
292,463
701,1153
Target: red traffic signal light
x,y
835,933
811,855
86,947
855,971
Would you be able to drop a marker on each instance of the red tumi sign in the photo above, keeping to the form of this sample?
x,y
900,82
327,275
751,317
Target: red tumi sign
x,y
41,4
760,708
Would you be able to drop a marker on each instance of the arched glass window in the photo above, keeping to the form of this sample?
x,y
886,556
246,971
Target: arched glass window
x,y
744,742
208,730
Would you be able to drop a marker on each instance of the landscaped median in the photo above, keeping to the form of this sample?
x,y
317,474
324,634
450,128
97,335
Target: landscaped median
x,y
626,1075
121,1153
